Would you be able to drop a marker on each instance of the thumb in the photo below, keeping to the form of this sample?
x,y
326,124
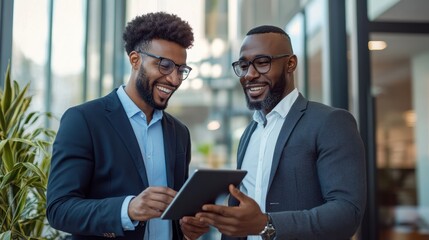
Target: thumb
x,y
235,192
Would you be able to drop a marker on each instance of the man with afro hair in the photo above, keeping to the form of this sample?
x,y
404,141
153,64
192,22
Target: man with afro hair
x,y
118,161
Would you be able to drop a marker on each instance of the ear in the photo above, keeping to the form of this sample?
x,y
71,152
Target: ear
x,y
292,63
134,58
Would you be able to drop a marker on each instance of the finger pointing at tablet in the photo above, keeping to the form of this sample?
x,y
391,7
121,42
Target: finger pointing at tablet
x,y
150,203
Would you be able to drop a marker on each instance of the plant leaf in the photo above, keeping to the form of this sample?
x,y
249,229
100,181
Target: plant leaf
x,y
24,166
7,158
5,235
7,92
17,108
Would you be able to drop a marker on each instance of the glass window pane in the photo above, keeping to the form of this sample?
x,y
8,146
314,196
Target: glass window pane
x,y
315,35
402,11
400,85
295,29
29,52
67,54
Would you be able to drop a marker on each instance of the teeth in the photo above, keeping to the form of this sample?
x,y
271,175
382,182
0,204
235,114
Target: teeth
x,y
166,90
253,89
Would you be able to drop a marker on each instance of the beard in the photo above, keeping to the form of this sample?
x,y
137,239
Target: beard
x,y
146,91
275,95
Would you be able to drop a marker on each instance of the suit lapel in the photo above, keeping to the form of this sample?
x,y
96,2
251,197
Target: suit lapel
x,y
169,133
244,142
115,113
292,118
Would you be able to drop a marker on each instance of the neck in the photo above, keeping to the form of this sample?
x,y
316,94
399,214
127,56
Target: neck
x,y
141,104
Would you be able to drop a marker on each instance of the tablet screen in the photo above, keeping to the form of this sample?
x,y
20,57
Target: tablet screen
x,y
203,187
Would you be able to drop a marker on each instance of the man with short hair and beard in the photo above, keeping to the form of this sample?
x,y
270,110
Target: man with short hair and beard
x,y
118,160
305,160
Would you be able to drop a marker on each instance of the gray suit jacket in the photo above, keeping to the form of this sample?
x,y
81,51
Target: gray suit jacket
x,y
317,186
97,162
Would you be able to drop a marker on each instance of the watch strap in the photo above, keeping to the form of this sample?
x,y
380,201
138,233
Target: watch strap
x,y
269,232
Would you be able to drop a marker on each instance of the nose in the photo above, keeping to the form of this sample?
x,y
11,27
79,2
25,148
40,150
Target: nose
x,y
174,78
251,73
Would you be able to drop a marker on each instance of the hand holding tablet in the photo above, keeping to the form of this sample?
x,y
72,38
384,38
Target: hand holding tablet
x,y
203,187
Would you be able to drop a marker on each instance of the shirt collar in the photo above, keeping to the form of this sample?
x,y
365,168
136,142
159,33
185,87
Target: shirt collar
x,y
282,108
131,108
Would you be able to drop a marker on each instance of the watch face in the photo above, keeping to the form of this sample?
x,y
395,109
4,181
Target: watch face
x,y
268,233
271,231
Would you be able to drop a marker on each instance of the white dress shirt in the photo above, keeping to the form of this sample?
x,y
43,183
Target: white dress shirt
x,y
259,153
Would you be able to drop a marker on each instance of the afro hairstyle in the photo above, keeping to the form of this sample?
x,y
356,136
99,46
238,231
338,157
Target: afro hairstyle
x,y
159,25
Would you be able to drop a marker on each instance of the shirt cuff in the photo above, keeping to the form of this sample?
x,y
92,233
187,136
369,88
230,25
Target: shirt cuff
x,y
127,224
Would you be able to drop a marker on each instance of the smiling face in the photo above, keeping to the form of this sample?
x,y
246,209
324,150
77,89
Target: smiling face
x,y
154,89
265,91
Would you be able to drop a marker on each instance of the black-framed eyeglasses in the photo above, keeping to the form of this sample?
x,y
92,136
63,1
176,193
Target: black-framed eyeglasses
x,y
167,66
262,64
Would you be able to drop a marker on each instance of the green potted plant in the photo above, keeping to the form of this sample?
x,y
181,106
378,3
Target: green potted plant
x,y
24,167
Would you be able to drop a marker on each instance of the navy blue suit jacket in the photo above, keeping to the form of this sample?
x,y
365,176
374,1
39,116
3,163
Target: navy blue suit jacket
x,y
317,185
96,163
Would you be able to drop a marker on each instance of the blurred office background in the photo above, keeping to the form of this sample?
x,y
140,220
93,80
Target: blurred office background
x,y
368,56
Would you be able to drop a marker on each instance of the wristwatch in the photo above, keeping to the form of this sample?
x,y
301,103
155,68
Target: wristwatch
x,y
269,231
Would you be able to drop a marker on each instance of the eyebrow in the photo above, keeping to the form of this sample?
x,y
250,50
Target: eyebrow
x,y
258,55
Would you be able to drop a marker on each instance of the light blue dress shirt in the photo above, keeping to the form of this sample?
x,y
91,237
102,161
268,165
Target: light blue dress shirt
x,y
151,143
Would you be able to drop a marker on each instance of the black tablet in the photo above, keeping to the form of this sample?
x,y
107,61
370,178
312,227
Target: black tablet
x,y
203,187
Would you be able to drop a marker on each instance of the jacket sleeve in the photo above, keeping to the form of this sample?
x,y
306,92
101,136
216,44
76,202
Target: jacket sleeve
x,y
69,208
340,167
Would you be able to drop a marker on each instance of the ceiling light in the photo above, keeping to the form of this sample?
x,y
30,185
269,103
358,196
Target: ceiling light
x,y
213,125
410,118
376,45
